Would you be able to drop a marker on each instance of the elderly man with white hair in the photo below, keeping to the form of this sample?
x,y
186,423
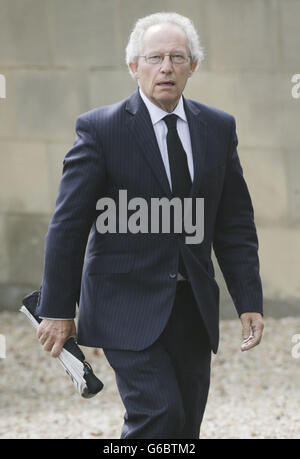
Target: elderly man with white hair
x,y
149,298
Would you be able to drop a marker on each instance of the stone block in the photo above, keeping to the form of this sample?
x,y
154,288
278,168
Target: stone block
x,y
47,103
255,100
24,237
109,86
289,33
24,178
279,259
220,91
292,164
279,268
243,35
290,120
261,98
85,33
24,32
266,177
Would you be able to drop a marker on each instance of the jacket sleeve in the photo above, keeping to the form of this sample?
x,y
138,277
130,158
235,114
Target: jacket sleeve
x,y
235,240
82,183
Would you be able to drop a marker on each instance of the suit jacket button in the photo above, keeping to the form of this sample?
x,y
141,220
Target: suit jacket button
x,y
172,275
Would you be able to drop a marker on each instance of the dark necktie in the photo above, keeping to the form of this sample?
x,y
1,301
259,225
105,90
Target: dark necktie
x,y
180,175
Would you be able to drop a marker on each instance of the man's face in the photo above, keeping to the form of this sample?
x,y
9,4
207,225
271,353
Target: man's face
x,y
163,83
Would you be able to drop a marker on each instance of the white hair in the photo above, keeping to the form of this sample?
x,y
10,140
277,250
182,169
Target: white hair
x,y
133,48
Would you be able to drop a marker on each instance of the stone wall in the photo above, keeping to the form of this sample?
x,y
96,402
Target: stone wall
x,y
62,58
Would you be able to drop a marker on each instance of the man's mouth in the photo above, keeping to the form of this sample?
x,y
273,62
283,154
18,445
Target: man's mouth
x,y
166,83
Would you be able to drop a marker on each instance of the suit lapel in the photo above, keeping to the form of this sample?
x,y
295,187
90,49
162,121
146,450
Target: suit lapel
x,y
140,125
198,134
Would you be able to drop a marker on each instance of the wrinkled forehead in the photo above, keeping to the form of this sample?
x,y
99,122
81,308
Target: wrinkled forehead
x,y
164,37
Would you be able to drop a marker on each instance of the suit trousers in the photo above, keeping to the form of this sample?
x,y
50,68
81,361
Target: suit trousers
x,y
164,388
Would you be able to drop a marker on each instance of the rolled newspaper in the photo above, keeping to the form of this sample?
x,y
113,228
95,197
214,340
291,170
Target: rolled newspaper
x,y
71,357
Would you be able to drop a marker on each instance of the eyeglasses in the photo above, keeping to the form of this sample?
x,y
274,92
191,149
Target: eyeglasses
x,y
157,58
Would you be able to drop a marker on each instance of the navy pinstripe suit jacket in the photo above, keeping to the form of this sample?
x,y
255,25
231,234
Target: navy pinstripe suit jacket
x,y
122,282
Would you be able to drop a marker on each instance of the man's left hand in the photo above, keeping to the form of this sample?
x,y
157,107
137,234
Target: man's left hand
x,y
253,326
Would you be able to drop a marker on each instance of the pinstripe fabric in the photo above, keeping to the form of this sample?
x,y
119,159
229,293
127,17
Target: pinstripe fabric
x,y
125,286
164,387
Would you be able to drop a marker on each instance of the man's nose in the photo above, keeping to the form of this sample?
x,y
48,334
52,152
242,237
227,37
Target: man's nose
x,y
166,65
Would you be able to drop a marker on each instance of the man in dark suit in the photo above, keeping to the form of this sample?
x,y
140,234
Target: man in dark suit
x,y
149,299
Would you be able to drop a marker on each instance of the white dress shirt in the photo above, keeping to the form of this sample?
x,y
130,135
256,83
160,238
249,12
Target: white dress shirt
x,y
161,130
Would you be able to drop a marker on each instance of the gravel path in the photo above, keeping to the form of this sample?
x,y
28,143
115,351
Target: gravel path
x,y
255,394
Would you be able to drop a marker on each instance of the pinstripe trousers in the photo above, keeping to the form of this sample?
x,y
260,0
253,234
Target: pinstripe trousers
x,y
164,387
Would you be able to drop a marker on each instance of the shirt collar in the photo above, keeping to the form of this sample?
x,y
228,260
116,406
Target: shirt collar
x,y
157,114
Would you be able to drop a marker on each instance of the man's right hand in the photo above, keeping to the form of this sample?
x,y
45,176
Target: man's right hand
x,y
53,334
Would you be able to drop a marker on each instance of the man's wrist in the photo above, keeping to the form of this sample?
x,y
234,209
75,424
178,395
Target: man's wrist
x,y
55,318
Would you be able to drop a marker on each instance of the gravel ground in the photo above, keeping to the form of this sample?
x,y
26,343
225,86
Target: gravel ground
x,y
255,394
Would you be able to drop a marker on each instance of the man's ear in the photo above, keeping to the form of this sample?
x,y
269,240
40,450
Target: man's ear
x,y
134,68
192,69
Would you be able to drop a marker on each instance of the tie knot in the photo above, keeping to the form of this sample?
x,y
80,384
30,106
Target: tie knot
x,y
170,121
